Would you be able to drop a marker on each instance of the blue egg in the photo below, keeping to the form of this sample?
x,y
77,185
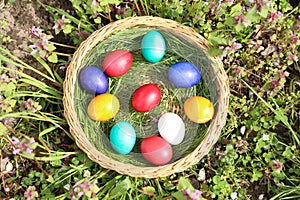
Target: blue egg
x,y
153,46
93,80
122,137
184,74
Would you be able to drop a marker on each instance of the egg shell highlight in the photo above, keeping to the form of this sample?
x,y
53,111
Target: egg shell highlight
x,y
199,109
156,150
146,97
93,80
171,127
117,62
103,107
122,137
184,74
153,46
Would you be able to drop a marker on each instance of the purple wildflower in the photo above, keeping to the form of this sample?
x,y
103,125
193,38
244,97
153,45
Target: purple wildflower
x,y
273,16
22,146
33,48
63,67
293,38
35,32
261,4
5,78
240,18
298,28
40,45
81,35
30,193
15,141
94,2
187,191
237,46
196,194
281,74
198,17
9,122
80,189
30,105
293,57
59,24
277,165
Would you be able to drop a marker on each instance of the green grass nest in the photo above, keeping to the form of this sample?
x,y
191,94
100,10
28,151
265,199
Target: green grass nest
x,y
143,72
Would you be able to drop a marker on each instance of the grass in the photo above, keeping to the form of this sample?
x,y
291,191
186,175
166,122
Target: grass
x,y
257,155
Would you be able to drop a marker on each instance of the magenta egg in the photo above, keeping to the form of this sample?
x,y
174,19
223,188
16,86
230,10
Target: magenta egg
x,y
156,150
117,62
146,97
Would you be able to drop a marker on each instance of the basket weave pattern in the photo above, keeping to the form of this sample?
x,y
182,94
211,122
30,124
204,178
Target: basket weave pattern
x,y
185,162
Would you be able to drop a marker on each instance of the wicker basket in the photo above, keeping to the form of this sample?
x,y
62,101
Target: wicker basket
x,y
217,74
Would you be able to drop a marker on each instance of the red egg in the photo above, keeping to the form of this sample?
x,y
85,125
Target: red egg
x,y
156,150
117,62
146,97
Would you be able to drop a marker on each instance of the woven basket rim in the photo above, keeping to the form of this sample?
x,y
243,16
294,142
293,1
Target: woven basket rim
x,y
136,171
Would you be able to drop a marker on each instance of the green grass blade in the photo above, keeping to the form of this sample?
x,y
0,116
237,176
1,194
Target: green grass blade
x,y
48,130
45,65
19,63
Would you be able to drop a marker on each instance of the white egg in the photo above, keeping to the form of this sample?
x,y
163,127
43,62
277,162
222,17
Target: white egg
x,y
171,128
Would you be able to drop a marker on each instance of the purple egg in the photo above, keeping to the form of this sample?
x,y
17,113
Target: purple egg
x,y
93,80
184,74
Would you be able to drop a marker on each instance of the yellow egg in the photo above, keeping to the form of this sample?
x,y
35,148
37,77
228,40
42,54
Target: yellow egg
x,y
103,107
199,109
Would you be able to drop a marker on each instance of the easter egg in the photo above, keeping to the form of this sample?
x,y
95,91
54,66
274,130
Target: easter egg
x,y
117,62
93,80
122,137
146,97
171,128
156,150
198,109
153,46
184,74
103,107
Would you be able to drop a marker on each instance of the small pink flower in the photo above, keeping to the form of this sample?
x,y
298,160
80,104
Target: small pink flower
x,y
268,3
196,194
281,74
35,32
279,14
277,165
198,17
298,28
80,193
31,141
60,24
187,191
240,18
33,49
15,141
237,46
5,78
16,151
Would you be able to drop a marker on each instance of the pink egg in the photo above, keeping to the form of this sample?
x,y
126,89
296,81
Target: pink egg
x,y
156,150
117,62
